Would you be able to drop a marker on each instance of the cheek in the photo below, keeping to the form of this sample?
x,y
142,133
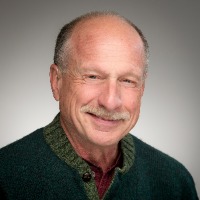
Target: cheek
x,y
67,97
132,101
86,95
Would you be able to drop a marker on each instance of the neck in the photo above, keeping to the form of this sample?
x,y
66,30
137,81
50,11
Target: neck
x,y
103,157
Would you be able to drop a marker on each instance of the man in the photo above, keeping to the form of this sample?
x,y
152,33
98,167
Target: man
x,y
98,77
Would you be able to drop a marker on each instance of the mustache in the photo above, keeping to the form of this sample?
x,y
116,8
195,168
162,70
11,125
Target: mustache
x,y
104,114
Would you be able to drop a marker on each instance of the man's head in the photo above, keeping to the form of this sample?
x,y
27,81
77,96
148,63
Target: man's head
x,y
62,49
98,77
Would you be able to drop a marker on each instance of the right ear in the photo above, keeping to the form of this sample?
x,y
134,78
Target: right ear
x,y
55,80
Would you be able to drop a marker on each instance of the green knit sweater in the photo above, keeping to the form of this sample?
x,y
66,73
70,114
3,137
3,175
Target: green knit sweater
x,y
43,165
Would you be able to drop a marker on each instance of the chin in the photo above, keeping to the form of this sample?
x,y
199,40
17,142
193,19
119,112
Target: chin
x,y
105,141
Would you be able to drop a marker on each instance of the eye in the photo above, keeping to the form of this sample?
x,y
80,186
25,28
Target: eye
x,y
92,77
129,83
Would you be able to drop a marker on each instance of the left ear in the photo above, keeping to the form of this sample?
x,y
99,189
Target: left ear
x,y
55,80
142,89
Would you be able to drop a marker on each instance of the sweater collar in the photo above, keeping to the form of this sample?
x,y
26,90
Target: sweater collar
x,y
59,143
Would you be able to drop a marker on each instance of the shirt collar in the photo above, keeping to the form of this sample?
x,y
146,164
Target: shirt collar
x,y
59,143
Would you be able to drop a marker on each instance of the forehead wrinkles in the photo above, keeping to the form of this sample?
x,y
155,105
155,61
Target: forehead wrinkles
x,y
92,43
98,34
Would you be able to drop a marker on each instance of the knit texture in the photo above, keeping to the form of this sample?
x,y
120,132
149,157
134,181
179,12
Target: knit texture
x,y
56,138
43,165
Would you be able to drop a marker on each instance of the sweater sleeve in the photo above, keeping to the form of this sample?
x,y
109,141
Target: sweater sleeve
x,y
188,188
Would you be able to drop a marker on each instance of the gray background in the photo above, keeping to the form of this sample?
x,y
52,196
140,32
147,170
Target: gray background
x,y
170,112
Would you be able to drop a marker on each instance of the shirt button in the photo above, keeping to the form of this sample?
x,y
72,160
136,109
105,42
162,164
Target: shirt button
x,y
93,174
86,177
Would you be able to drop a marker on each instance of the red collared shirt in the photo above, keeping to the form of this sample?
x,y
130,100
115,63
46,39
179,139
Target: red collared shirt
x,y
103,179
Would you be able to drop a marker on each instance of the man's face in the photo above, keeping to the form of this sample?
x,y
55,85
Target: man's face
x,y
100,93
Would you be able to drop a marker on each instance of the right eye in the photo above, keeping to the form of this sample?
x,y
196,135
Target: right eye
x,y
92,77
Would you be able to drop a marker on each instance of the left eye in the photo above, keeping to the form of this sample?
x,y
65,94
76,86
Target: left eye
x,y
129,82
92,76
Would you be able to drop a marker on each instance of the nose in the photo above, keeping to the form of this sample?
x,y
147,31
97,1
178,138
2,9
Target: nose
x,y
110,96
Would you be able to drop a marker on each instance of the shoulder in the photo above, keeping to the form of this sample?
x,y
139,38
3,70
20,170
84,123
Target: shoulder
x,y
162,169
24,150
156,158
24,159
30,141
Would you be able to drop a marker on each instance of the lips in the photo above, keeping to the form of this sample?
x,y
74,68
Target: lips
x,y
105,118
103,121
104,114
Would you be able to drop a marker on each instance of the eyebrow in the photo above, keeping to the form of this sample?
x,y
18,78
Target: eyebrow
x,y
132,74
91,69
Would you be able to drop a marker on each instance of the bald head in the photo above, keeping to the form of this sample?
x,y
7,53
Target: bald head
x,y
97,26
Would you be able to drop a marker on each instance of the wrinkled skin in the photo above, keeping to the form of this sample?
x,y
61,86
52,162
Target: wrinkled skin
x,y
105,71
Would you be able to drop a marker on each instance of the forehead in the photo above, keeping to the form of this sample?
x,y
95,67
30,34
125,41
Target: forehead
x,y
105,27
107,39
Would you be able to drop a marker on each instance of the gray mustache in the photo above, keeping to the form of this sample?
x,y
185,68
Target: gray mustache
x,y
104,114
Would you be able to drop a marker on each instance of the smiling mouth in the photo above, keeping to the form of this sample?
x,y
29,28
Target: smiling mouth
x,y
103,114
105,118
104,122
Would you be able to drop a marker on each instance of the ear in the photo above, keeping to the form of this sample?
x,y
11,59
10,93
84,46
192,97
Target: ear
x,y
55,80
142,89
